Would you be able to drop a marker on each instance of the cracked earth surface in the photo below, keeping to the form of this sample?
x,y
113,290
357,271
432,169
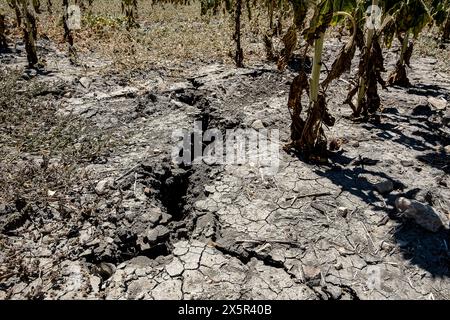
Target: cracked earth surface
x,y
160,231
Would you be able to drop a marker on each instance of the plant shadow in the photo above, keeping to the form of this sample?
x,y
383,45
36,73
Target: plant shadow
x,y
425,249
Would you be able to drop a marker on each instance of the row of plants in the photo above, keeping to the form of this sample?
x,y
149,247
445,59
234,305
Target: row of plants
x,y
371,23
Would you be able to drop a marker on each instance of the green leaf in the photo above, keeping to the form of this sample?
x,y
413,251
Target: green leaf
x,y
320,22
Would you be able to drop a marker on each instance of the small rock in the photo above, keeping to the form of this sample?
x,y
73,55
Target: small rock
x,y
85,82
386,246
162,231
264,249
140,272
407,163
29,73
335,292
4,209
342,211
140,261
336,143
45,253
384,186
338,266
258,125
178,87
157,233
311,274
130,92
109,240
175,268
105,270
165,218
437,103
143,243
103,186
358,262
177,103
210,189
152,235
86,253
153,216
424,215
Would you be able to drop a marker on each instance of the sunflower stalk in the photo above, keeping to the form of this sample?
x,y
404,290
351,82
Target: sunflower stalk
x,y
317,66
28,21
239,55
399,76
404,48
68,36
362,81
309,136
446,33
3,43
130,9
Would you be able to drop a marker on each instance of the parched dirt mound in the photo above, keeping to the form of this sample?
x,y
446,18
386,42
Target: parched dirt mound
x,y
140,226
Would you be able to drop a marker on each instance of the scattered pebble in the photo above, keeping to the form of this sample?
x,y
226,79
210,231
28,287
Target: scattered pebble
x,y
103,186
384,186
437,103
424,215
258,125
85,82
407,163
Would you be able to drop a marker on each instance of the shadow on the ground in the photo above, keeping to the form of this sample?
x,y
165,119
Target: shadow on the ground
x,y
428,137
427,90
422,248
427,250
6,50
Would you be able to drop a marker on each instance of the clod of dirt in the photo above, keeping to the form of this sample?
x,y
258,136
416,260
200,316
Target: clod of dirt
x,y
407,163
103,186
29,74
384,187
104,270
437,103
258,125
336,143
423,215
312,275
342,211
85,82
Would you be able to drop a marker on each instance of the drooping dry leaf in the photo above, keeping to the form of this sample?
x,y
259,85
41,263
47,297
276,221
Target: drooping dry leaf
x,y
290,42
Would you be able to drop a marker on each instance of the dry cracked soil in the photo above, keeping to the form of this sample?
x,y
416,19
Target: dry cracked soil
x,y
142,227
